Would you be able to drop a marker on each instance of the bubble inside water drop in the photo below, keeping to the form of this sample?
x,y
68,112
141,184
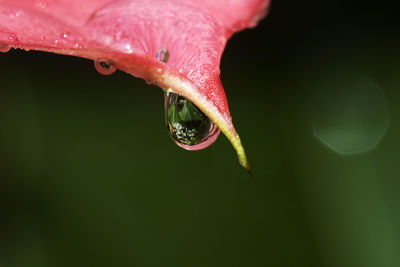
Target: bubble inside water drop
x,y
105,66
187,125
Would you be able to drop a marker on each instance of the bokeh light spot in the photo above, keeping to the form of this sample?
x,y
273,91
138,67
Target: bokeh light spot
x,y
350,114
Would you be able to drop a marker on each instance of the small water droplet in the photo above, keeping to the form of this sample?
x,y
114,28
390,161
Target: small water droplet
x,y
41,4
150,82
105,66
13,37
187,125
9,37
4,48
128,49
65,35
14,13
163,55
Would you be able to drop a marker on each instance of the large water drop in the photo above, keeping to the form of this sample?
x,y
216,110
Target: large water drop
x,y
187,125
105,66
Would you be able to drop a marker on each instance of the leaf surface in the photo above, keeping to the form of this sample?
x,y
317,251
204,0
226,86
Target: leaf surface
x,y
130,32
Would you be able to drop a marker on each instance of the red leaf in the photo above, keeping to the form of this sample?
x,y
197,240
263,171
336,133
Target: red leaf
x,y
130,32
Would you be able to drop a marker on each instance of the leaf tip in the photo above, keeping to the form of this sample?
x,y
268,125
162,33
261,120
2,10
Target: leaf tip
x,y
237,144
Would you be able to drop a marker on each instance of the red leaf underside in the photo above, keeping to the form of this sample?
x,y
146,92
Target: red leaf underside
x,y
130,32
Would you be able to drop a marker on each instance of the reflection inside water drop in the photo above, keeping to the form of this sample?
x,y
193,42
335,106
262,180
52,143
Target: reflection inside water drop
x,y
105,66
187,125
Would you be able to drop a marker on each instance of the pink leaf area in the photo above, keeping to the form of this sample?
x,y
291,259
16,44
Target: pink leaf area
x,y
131,32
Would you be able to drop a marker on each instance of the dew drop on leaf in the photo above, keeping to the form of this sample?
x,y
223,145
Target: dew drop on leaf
x,y
105,66
163,55
41,4
4,48
65,35
187,125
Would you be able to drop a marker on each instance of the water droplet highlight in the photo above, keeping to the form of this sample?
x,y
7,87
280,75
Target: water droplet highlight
x,y
105,66
187,125
163,55
65,35
9,38
4,48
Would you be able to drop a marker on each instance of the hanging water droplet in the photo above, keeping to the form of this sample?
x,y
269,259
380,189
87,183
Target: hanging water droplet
x,y
4,48
105,66
163,55
187,125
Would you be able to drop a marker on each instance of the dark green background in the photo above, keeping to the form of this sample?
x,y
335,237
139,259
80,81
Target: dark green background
x,y
89,176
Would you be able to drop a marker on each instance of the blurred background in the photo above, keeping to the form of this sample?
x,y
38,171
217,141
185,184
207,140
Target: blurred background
x,y
90,177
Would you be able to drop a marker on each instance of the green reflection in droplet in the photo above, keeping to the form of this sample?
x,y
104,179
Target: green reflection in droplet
x,y
185,122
